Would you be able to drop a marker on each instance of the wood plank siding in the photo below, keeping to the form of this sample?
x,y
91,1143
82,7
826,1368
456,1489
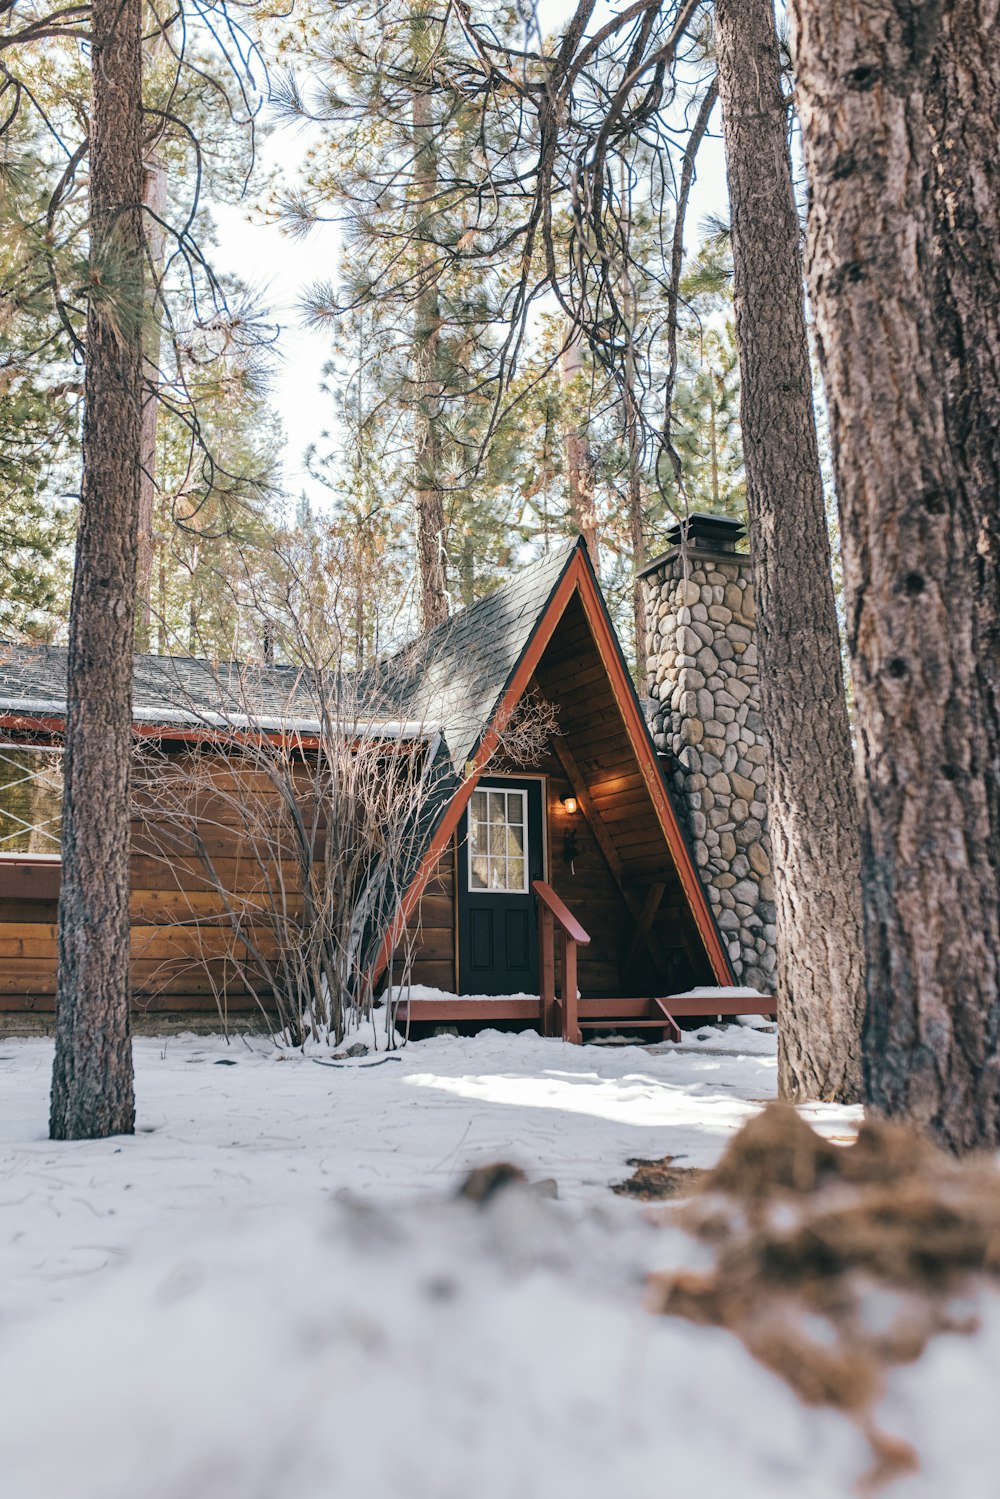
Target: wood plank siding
x,y
607,889
430,931
185,954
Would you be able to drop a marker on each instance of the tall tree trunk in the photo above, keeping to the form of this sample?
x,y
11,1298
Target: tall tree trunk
x,y
636,525
92,1075
579,459
713,437
900,109
812,804
161,586
633,444
155,203
427,333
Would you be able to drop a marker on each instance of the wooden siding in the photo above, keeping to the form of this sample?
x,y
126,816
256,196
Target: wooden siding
x,y
609,894
431,929
185,955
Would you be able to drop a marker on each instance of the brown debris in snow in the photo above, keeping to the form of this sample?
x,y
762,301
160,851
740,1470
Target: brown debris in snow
x,y
652,1181
485,1181
834,1263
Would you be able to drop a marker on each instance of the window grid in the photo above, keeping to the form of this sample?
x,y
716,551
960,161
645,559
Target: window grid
x,y
498,852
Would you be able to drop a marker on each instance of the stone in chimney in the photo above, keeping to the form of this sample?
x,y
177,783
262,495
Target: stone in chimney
x,y
701,671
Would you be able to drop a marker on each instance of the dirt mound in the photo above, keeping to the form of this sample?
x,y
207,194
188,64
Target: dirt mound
x,y
833,1263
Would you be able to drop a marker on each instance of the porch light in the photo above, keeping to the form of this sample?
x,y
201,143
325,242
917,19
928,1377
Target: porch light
x,y
569,804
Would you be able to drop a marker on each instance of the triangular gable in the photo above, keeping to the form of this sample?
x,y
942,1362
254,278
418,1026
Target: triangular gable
x,y
528,631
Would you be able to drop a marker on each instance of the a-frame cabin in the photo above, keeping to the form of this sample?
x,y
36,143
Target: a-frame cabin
x,y
534,881
606,879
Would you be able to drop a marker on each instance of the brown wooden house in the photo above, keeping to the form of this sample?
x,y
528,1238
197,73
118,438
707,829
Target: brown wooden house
x,y
569,873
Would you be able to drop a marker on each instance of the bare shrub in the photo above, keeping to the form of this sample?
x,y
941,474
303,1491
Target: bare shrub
x,y
303,809
302,832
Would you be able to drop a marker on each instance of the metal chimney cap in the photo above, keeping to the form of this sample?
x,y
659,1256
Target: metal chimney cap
x,y
709,532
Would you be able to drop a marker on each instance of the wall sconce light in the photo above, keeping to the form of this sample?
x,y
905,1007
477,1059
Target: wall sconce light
x,y
570,804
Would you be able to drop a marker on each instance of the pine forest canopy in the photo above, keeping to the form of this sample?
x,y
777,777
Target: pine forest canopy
x,y
502,445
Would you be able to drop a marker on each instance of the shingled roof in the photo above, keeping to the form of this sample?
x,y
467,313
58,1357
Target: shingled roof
x,y
450,680
455,676
34,677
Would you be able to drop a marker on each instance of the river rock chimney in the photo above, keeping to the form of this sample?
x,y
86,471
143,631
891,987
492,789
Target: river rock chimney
x,y
701,673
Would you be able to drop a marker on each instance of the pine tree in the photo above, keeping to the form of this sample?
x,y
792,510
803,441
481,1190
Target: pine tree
x,y
900,112
92,1092
812,807
39,401
403,164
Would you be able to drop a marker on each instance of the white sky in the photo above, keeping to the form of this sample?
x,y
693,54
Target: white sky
x,y
279,268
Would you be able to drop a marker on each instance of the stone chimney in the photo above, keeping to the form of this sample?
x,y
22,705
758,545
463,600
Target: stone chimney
x,y
701,672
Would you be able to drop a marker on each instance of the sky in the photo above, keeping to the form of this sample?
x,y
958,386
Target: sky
x,y
279,268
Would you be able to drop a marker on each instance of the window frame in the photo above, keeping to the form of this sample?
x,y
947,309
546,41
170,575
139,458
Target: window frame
x,y
505,791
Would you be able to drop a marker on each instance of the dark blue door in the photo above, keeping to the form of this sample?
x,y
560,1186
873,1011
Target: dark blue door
x,y
500,852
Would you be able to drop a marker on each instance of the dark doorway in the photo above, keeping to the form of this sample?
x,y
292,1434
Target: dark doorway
x,y
500,852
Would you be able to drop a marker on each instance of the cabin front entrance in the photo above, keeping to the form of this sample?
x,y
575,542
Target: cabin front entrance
x,y
558,892
501,851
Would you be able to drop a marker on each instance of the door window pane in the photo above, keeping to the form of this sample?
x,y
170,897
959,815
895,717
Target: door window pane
x,y
479,842
497,841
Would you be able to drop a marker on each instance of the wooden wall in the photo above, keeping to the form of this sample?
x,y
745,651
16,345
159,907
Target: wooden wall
x,y
432,930
633,859
185,957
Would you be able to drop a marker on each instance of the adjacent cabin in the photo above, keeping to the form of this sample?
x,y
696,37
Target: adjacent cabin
x,y
584,890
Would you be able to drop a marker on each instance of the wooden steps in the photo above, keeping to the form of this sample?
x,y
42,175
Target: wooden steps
x,y
629,1015
691,1006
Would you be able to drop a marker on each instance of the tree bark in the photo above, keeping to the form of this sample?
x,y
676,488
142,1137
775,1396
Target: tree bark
x,y
579,459
900,109
812,802
92,1076
155,202
633,446
431,542
636,521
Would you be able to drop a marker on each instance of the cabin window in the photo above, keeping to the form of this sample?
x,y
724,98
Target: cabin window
x,y
31,785
498,841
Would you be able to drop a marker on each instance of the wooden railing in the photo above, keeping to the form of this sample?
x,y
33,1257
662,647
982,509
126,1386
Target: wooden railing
x,y
559,1012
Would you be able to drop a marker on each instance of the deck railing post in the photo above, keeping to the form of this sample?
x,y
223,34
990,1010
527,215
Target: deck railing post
x,y
547,966
553,914
570,1023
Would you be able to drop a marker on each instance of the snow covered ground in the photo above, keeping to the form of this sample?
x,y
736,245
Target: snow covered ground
x,y
271,1292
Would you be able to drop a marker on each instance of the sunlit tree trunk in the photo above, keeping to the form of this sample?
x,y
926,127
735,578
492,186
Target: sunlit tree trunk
x,y
580,496
633,441
155,203
431,540
812,804
900,110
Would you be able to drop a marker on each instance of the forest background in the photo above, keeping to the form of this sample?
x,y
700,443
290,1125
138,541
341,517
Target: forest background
x,y
297,426
528,339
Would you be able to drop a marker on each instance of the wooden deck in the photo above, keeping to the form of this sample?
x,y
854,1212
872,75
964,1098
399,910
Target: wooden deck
x,y
559,1009
657,1014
